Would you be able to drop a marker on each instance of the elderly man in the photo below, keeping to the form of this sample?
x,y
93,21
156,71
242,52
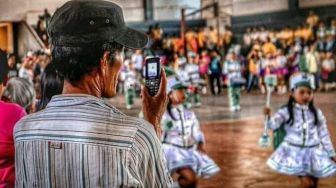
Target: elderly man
x,y
79,139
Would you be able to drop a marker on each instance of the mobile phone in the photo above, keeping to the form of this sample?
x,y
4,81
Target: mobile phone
x,y
152,75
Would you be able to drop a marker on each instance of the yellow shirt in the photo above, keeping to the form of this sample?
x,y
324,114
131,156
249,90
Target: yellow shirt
x,y
306,34
312,20
269,48
213,36
201,38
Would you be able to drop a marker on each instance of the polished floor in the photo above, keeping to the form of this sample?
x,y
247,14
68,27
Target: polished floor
x,y
231,140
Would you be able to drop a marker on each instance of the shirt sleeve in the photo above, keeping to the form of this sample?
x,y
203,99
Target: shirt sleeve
x,y
278,118
147,161
324,135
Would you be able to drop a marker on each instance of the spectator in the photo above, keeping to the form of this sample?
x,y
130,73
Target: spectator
x,y
328,71
215,70
26,70
254,63
268,47
90,143
313,62
13,71
46,18
21,92
213,38
138,60
201,38
51,84
10,114
312,19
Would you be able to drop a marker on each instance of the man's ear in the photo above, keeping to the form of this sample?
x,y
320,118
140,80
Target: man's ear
x,y
105,59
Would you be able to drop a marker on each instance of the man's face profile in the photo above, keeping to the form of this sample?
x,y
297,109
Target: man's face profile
x,y
112,70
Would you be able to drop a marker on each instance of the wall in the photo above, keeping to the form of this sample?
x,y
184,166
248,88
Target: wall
x,y
313,3
248,7
17,10
225,12
171,9
27,40
6,39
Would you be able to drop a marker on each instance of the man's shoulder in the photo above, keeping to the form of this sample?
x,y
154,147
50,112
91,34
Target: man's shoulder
x,y
104,127
142,127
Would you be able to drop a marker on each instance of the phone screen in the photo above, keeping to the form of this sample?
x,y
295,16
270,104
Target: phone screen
x,y
152,70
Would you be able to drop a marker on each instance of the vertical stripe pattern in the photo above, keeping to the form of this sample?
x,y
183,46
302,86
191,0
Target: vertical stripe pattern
x,y
83,141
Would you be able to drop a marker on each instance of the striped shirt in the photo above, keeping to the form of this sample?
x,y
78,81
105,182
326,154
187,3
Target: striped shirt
x,y
83,141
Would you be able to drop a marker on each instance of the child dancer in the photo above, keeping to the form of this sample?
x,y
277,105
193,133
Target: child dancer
x,y
281,71
195,81
232,70
130,82
183,141
306,151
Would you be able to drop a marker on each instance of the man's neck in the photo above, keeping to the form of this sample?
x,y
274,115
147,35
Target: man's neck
x,y
85,86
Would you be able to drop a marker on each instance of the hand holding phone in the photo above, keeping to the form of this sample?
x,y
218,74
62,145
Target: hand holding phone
x,y
154,107
152,75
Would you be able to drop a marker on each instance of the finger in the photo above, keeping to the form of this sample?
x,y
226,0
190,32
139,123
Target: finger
x,y
144,92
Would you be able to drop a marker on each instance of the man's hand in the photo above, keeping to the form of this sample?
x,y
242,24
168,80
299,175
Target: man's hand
x,y
154,107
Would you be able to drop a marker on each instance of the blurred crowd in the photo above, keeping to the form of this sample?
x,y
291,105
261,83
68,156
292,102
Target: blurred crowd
x,y
24,78
310,47
208,61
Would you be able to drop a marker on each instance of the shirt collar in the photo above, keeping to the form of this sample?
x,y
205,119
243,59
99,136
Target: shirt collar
x,y
301,107
66,100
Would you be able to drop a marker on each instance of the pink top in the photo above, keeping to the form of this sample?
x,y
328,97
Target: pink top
x,y
9,114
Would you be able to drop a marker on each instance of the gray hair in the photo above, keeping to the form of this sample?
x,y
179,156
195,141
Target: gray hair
x,y
21,92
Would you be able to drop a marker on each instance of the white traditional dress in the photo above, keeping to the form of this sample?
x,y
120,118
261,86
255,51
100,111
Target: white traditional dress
x,y
307,148
181,134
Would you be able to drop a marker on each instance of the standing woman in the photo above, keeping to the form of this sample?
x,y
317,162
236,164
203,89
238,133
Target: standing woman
x,y
9,115
51,84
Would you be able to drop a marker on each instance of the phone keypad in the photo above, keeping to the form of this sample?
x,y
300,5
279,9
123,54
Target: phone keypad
x,y
153,86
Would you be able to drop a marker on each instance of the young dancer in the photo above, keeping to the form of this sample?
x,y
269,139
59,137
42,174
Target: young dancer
x,y
306,151
183,141
232,69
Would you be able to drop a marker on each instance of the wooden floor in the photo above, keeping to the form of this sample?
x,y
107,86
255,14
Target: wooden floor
x,y
231,140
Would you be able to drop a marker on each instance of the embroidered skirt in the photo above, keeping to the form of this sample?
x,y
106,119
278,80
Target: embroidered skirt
x,y
297,161
178,157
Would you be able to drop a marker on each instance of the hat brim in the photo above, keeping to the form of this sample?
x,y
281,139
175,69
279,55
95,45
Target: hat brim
x,y
179,86
133,39
304,84
169,71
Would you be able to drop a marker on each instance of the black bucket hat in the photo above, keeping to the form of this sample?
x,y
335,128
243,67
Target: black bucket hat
x,y
80,23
